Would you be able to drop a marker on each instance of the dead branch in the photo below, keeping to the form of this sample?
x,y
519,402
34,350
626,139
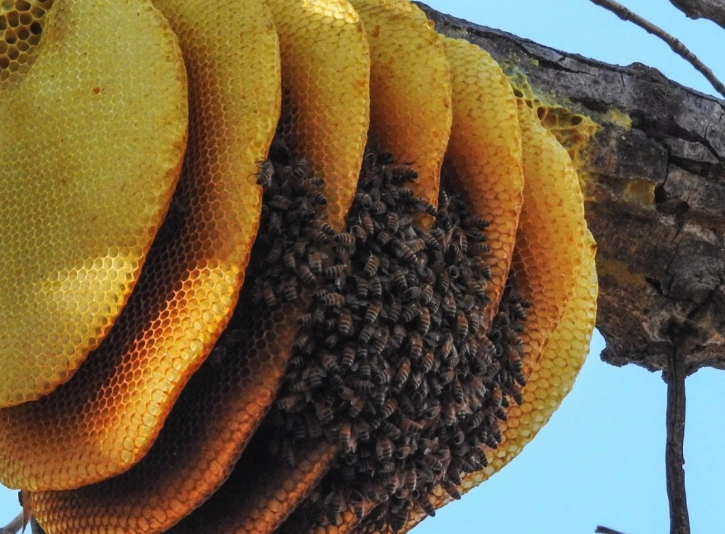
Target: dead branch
x,y
14,526
713,10
606,530
677,46
674,450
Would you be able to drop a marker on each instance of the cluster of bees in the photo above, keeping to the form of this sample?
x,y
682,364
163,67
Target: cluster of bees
x,y
391,361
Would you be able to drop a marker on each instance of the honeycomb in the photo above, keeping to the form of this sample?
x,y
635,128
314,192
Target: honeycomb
x,y
325,78
483,158
410,91
344,308
111,138
106,417
21,24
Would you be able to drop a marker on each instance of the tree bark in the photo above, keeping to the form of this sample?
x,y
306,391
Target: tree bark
x,y
653,180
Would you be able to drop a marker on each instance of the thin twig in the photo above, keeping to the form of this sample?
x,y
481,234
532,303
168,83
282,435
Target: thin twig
x,y
14,526
606,530
674,450
676,45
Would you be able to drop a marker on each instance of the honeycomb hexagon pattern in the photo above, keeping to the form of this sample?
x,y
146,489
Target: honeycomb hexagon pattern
x,y
81,203
325,93
105,419
151,435
410,90
483,158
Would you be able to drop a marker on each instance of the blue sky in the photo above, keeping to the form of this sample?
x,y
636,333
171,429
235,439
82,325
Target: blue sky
x,y
601,458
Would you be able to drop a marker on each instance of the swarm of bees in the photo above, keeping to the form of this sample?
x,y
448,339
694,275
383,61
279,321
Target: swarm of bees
x,y
390,362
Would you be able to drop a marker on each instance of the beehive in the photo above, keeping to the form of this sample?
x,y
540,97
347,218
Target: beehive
x,y
425,380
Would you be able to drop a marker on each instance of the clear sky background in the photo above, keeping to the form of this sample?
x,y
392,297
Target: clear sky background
x,y
600,460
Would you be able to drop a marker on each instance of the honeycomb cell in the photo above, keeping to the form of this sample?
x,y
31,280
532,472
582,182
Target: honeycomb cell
x,y
105,419
259,494
410,89
21,27
483,159
325,92
81,202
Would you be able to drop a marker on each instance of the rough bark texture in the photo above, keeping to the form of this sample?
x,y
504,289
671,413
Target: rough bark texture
x,y
713,10
654,183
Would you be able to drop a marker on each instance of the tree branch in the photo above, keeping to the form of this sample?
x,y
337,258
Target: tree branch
x,y
674,454
606,530
14,526
677,46
713,10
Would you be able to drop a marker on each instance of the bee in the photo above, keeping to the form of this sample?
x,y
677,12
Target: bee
x,y
410,312
449,415
300,168
380,341
394,311
300,386
424,321
404,252
371,266
457,390
412,293
344,239
366,334
266,172
366,201
426,294
416,345
399,335
275,252
362,430
444,282
375,287
425,505
305,320
393,223
372,312
361,287
383,238
332,340
435,388
333,507
416,379
334,271
332,299
357,231
348,357
368,224
388,408
318,236
329,362
399,281
357,503
449,306
344,323
317,197
384,449
475,221
315,375
378,395
291,403
357,405
314,262
364,369
324,412
289,292
270,298
307,277
315,181
345,393
397,518
345,438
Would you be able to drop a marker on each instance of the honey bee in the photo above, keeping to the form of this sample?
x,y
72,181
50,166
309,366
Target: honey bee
x,y
266,172
372,312
291,403
314,262
344,239
409,313
457,390
329,362
388,408
324,412
334,271
376,288
380,341
427,363
366,334
345,438
449,415
300,169
332,299
399,281
357,405
345,393
397,518
384,449
275,252
307,277
270,298
399,335
362,430
383,238
348,357
425,505
333,507
289,292
317,197
344,324
371,266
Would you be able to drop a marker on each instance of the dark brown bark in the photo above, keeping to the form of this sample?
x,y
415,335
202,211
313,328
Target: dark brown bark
x,y
655,196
